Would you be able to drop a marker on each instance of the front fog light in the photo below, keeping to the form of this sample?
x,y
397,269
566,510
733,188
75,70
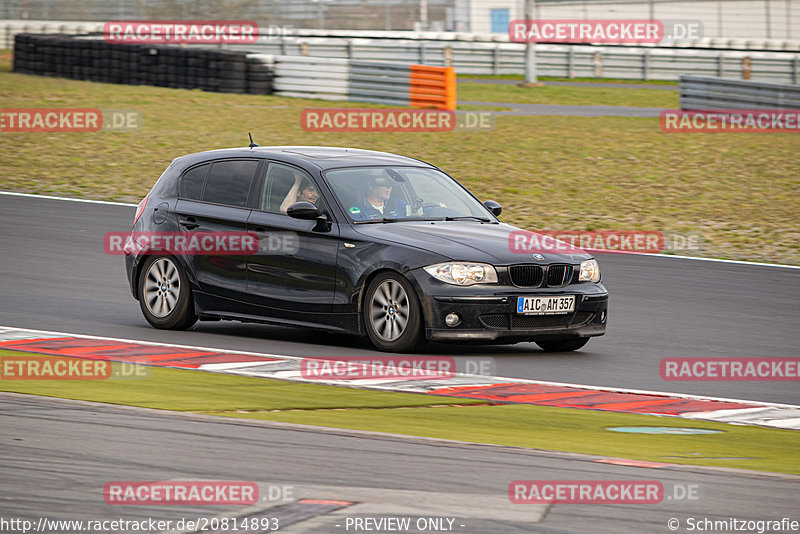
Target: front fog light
x,y
452,319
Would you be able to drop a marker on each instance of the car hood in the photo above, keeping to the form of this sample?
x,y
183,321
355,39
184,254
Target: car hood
x,y
470,241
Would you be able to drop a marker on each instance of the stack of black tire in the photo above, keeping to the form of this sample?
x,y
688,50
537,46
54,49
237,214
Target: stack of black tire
x,y
87,58
260,76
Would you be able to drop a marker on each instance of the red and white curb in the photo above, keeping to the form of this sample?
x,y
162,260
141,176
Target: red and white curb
x,y
493,389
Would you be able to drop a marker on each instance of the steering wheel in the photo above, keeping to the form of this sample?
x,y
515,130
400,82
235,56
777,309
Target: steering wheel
x,y
434,209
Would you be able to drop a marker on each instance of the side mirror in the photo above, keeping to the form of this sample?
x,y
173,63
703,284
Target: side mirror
x,y
304,210
494,207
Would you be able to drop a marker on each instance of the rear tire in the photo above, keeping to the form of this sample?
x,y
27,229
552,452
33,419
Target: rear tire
x,y
563,344
164,294
392,314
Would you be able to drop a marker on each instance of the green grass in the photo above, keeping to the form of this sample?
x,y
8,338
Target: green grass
x,y
537,427
478,107
572,95
175,389
521,78
574,173
571,430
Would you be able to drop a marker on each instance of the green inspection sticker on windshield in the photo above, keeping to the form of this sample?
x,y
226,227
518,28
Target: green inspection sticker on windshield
x,y
355,211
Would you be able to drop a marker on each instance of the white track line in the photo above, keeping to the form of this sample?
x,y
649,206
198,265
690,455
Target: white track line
x,y
718,260
48,197
517,380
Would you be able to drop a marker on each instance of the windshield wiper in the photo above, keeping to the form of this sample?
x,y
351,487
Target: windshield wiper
x,y
467,218
399,219
413,219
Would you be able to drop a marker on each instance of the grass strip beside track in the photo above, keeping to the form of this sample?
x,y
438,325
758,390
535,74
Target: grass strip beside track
x,y
569,95
193,391
536,427
520,78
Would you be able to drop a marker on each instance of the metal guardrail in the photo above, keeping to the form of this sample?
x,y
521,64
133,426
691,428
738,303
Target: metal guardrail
x,y
472,57
702,93
361,81
571,61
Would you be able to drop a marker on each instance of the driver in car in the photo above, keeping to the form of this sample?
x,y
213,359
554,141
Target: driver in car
x,y
376,202
302,190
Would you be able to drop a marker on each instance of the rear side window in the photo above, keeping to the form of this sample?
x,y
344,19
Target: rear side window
x,y
228,182
193,181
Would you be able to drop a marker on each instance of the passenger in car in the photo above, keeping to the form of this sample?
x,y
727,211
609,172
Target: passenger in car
x,y
302,190
376,202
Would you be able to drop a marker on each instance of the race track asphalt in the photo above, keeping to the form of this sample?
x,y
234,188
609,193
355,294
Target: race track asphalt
x,y
54,275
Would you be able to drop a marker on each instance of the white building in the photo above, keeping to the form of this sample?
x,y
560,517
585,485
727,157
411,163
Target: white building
x,y
756,19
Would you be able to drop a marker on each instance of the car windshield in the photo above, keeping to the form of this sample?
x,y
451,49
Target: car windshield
x,y
389,194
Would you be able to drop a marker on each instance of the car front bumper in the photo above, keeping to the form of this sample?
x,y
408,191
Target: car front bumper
x,y
489,312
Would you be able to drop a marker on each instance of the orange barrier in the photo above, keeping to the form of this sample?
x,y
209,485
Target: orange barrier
x,y
432,87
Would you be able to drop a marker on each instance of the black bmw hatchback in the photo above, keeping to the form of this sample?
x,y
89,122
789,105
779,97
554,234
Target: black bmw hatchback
x,y
350,241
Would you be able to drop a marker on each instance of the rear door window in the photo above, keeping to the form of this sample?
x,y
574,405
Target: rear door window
x,y
229,181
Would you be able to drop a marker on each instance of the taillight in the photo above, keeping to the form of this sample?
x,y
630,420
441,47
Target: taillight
x,y
140,208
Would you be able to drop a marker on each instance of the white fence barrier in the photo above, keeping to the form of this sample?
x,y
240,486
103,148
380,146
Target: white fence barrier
x,y
361,81
474,57
571,61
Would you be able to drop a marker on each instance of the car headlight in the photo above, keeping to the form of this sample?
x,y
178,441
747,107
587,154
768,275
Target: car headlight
x,y
461,273
590,271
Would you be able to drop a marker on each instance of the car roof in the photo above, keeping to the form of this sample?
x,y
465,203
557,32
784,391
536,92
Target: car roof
x,y
322,157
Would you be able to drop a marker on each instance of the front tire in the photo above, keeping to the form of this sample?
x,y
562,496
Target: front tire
x,y
392,314
164,294
563,344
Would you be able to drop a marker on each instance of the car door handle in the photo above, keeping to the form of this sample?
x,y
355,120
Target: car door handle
x,y
190,223
260,230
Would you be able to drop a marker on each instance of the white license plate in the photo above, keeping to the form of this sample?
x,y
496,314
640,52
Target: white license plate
x,y
546,305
